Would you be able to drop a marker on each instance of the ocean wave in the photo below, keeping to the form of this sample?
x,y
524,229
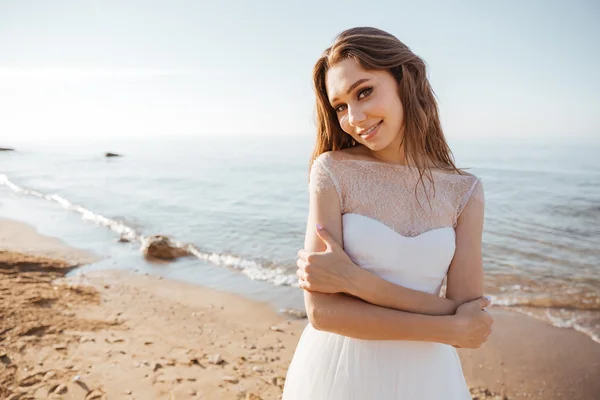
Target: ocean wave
x,y
570,322
253,269
114,225
588,301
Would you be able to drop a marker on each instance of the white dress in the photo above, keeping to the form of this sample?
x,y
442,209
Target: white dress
x,y
396,233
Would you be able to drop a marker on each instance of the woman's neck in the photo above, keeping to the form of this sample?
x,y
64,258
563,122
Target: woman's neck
x,y
392,154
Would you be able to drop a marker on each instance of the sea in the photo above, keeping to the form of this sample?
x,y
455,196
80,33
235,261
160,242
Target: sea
x,y
240,202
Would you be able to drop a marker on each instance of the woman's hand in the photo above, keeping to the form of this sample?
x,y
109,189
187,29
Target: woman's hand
x,y
330,271
473,324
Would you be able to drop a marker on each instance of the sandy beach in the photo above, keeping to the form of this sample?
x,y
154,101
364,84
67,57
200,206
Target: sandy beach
x,y
127,335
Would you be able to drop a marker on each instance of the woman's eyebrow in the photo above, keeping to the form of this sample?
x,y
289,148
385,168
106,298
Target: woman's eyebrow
x,y
351,88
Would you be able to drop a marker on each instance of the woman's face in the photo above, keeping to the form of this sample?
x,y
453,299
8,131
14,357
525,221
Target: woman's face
x,y
366,103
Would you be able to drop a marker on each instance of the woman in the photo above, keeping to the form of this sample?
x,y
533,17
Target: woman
x,y
390,218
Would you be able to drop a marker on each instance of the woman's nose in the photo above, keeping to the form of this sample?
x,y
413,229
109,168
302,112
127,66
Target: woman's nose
x,y
355,116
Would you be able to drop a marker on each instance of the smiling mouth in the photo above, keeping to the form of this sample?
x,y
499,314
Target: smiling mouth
x,y
370,130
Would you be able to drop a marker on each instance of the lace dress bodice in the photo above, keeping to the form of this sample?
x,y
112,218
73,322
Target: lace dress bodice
x,y
403,232
393,194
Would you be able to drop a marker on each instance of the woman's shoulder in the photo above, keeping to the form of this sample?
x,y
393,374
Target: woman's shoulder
x,y
462,185
459,173
339,155
458,181
350,154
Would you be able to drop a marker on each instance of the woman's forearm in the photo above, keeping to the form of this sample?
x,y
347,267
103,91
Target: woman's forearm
x,y
376,290
347,316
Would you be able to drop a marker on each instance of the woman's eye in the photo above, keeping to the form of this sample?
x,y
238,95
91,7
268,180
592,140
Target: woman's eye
x,y
364,93
361,95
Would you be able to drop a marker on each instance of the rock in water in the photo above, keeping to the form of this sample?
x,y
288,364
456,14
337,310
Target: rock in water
x,y
124,239
6,149
161,247
112,155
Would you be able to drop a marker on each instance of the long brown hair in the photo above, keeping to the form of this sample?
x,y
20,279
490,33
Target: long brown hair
x,y
424,145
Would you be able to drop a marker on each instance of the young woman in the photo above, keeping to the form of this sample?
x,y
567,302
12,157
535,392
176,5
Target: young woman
x,y
390,218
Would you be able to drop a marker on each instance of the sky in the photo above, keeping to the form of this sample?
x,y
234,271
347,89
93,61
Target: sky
x,y
80,70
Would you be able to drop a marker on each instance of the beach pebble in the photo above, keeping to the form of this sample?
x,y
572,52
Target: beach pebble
x,y
194,361
60,389
275,328
278,381
96,394
31,379
5,359
216,359
252,396
230,379
113,340
258,368
49,375
300,314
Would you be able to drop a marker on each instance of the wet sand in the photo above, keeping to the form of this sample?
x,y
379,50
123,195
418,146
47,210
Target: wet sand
x,y
127,335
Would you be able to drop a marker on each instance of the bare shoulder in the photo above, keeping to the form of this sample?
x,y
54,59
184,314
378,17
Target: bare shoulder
x,y
357,152
330,157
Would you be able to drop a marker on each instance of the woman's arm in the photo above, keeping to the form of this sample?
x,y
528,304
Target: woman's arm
x,y
465,275
332,271
376,290
355,318
341,314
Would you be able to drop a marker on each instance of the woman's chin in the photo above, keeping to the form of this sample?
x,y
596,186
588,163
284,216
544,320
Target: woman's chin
x,y
377,143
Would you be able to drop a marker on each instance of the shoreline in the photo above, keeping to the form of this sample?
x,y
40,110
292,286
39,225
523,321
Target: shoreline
x,y
551,304
132,335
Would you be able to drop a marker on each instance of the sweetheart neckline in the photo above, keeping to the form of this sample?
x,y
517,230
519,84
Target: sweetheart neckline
x,y
398,233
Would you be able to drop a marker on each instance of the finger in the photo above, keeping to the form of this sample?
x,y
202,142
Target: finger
x,y
303,254
484,301
304,285
302,275
326,237
489,320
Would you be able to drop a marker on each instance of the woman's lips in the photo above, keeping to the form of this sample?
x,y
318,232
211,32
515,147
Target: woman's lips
x,y
371,132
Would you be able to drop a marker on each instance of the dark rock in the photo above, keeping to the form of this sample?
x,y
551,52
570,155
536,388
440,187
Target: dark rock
x,y
124,239
112,155
162,248
6,149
